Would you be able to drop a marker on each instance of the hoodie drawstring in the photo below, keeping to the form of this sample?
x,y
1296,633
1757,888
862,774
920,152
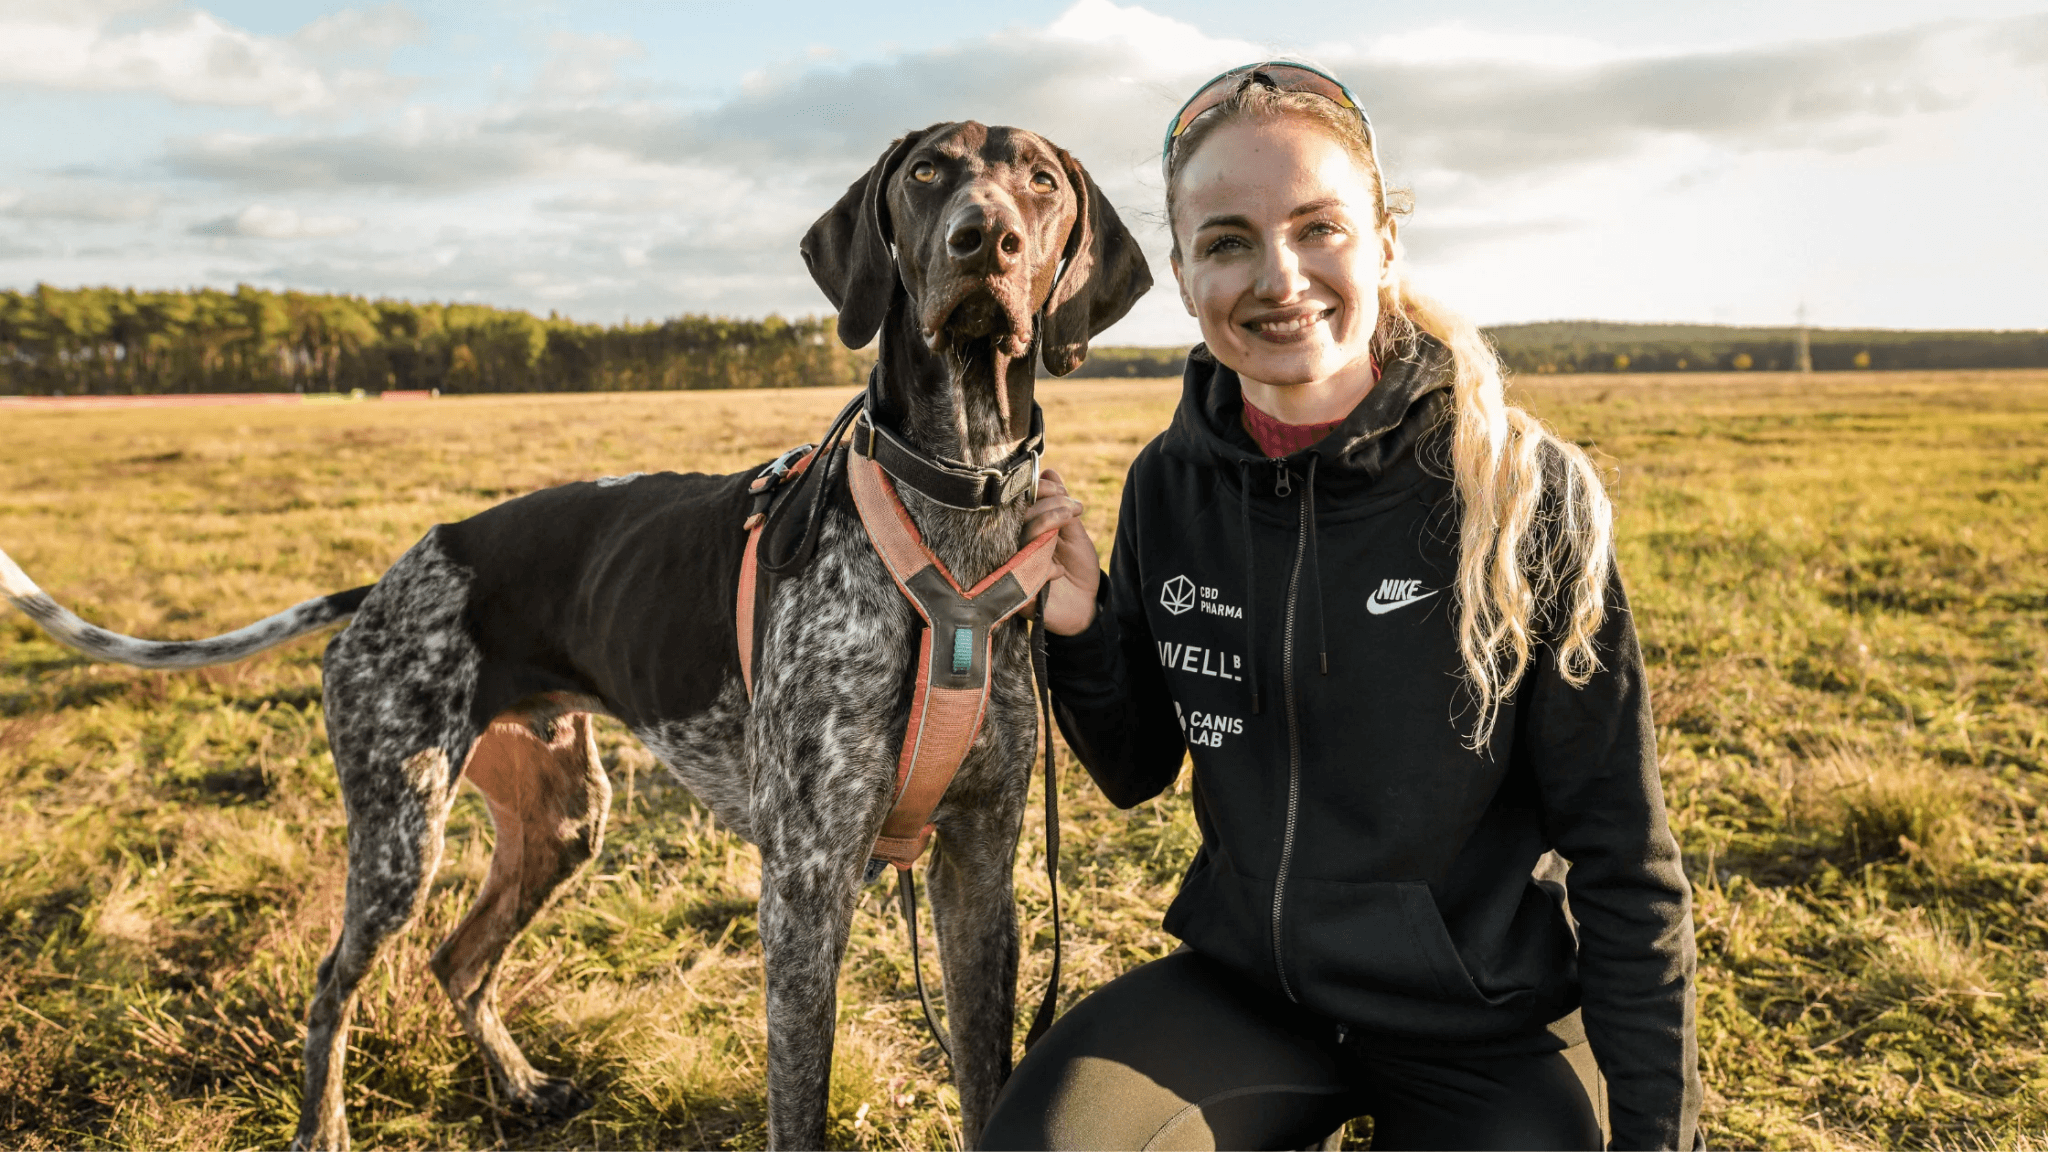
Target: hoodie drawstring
x,y
1315,567
1251,596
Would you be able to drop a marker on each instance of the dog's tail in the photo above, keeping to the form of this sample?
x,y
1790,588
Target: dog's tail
x,y
101,644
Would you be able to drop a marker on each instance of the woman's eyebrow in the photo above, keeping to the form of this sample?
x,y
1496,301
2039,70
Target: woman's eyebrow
x,y
1241,222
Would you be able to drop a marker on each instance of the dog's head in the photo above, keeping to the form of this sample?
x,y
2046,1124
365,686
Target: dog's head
x,y
987,230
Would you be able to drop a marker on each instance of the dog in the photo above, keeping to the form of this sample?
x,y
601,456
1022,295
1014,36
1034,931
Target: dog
x,y
483,652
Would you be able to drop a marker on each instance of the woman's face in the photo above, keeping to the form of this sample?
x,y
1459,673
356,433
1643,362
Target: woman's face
x,y
1280,260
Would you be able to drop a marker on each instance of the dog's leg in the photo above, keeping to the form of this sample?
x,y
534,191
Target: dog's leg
x,y
807,898
396,687
548,799
976,920
394,846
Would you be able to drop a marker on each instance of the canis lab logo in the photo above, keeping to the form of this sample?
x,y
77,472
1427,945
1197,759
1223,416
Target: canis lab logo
x,y
1393,594
1177,595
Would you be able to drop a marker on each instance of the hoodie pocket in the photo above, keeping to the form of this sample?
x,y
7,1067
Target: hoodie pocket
x,y
1386,939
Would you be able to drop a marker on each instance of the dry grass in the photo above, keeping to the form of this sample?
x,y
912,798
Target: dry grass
x,y
1839,580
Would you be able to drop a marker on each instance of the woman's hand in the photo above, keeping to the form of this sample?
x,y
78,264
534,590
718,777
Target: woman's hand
x,y
1070,602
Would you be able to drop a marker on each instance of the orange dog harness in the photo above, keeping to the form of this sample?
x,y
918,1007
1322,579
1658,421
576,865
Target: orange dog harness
x,y
954,648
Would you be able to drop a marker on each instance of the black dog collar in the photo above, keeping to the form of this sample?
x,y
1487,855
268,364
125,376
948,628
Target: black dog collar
x,y
950,482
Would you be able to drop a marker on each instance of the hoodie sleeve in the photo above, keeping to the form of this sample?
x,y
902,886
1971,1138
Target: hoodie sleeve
x,y
1594,753
1108,690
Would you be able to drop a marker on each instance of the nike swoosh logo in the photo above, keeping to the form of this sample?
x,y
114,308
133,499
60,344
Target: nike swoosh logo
x,y
1379,607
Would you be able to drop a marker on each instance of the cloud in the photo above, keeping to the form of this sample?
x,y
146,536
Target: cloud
x,y
1451,106
80,204
373,32
264,222
579,65
415,156
190,56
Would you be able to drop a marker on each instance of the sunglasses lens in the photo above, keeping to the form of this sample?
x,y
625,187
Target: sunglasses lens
x,y
1288,78
1285,77
1216,93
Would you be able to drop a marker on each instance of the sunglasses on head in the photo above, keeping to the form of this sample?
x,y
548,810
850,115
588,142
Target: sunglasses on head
x,y
1281,76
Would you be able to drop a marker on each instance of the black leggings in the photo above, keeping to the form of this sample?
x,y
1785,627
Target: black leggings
x,y
1181,1054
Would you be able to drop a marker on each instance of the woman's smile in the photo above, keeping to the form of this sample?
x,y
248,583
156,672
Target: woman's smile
x,y
1289,329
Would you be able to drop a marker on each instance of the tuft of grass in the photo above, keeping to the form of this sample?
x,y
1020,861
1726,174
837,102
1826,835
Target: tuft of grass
x,y
1839,583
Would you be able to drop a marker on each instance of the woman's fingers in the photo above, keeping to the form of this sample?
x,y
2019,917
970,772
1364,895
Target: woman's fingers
x,y
1070,600
1049,513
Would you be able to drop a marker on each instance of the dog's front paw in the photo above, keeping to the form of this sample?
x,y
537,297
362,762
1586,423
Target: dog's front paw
x,y
553,1096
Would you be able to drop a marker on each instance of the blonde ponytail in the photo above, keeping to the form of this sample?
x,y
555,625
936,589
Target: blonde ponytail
x,y
1535,528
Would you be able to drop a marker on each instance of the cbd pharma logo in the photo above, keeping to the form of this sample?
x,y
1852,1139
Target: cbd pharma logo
x,y
1177,595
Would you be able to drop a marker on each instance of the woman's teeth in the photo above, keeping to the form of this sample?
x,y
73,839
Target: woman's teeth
x,y
1283,327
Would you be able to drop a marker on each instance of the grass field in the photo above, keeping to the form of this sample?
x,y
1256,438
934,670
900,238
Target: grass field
x,y
1841,583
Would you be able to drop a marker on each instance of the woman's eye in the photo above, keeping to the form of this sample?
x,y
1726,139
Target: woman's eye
x,y
924,172
1044,182
1222,244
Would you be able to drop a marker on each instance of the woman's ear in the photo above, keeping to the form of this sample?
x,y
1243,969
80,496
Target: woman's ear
x,y
1187,299
1105,274
848,249
1390,249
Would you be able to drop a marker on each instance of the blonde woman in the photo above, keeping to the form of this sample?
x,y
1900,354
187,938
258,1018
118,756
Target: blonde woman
x,y
1376,606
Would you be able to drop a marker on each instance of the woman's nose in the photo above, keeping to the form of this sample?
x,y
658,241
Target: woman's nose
x,y
1280,275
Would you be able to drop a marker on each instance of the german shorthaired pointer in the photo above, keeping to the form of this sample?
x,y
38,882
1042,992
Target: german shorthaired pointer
x,y
484,650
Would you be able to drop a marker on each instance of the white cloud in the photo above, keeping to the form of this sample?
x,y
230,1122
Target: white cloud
x,y
190,56
261,221
361,31
80,203
582,66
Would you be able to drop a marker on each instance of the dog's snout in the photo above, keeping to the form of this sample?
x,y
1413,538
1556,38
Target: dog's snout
x,y
983,239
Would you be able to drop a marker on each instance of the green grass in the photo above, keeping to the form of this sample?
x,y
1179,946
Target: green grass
x,y
1840,583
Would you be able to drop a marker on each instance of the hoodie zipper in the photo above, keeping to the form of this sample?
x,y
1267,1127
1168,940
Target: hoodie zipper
x,y
1281,487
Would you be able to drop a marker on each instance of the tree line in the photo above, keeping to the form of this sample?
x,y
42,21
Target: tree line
x,y
1600,346
122,341
56,341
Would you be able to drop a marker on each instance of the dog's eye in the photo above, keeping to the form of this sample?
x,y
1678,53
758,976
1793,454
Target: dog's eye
x,y
1044,182
924,172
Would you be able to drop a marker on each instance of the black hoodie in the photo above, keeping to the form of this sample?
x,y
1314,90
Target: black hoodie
x,y
1357,856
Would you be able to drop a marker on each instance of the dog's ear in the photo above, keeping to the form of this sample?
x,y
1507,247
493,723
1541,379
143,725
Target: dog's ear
x,y
848,253
1105,274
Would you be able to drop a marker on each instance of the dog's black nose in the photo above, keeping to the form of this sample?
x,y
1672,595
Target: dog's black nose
x,y
982,240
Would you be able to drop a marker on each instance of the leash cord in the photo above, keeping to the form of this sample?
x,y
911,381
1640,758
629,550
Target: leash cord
x,y
1042,1019
906,898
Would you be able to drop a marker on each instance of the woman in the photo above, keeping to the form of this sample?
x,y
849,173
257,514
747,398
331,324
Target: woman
x,y
1377,605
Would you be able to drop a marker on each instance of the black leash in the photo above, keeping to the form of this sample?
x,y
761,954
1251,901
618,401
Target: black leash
x,y
906,899
1042,1019
906,884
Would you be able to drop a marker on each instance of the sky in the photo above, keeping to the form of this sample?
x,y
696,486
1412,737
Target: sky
x,y
1875,162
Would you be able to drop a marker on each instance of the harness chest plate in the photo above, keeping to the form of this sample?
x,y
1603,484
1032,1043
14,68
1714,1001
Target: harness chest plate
x,y
951,693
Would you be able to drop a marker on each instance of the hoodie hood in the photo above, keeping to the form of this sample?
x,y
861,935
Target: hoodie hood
x,y
1409,400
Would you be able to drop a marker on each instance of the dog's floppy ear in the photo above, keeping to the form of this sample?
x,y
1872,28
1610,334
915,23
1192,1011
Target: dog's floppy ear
x,y
848,253
1105,274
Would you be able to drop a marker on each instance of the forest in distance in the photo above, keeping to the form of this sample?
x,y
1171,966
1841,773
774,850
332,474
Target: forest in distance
x,y
124,341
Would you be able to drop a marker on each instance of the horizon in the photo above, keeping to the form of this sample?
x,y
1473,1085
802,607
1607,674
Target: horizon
x,y
1726,165
629,321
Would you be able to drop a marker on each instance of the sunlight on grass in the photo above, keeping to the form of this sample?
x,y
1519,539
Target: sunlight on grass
x,y
1841,584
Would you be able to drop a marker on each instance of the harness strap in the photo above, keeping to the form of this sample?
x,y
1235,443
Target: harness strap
x,y
952,685
761,495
